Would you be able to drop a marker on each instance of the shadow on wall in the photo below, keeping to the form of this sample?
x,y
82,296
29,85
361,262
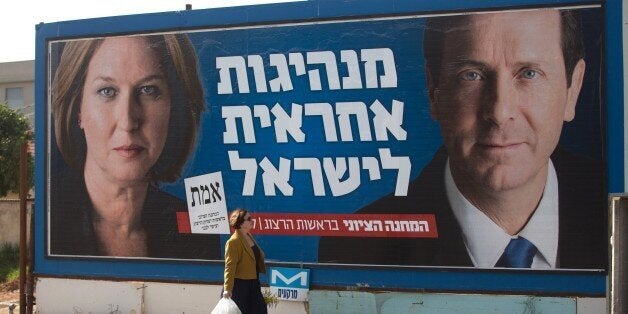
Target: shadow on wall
x,y
10,219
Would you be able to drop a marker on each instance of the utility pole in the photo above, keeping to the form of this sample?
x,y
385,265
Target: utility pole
x,y
23,257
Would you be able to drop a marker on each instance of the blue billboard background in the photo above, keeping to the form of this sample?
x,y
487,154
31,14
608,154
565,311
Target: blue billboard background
x,y
404,38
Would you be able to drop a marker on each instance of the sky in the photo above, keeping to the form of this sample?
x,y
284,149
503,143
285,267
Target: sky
x,y
20,17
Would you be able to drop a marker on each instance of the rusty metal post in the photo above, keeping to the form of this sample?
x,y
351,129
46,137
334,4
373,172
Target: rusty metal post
x,y
23,194
30,278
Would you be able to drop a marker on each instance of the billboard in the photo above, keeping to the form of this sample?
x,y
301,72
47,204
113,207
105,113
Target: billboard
x,y
473,140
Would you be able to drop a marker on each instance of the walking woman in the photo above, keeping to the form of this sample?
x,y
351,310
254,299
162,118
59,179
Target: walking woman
x,y
244,260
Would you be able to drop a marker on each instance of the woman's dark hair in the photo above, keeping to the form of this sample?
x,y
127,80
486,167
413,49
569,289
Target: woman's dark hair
x,y
436,29
236,219
176,56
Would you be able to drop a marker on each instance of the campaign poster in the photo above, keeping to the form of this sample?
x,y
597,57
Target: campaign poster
x,y
457,140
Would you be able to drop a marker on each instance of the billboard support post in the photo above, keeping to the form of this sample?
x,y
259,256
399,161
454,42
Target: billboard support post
x,y
23,261
618,259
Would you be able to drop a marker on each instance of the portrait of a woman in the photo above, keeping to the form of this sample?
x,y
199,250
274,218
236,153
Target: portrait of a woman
x,y
126,111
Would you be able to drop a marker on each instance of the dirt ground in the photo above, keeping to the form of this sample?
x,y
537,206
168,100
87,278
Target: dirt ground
x,y
9,291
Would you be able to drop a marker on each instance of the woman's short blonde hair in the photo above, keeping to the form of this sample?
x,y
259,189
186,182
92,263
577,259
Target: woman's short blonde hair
x,y
176,56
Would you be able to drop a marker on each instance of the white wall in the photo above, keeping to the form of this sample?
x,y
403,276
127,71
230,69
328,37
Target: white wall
x,y
58,295
10,220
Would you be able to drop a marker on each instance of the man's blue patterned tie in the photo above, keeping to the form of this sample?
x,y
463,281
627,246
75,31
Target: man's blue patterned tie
x,y
518,254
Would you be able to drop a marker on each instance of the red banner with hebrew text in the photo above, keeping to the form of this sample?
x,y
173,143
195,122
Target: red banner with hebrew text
x,y
354,225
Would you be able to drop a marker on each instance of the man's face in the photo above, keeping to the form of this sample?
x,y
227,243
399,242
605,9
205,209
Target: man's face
x,y
502,98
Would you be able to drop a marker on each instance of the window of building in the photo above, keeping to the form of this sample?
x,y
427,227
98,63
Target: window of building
x,y
15,97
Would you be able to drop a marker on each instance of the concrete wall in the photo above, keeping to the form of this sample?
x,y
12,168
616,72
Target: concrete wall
x,y
330,302
10,220
56,295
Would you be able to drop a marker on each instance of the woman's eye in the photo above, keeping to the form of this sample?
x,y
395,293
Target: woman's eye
x,y
149,90
107,92
529,74
471,76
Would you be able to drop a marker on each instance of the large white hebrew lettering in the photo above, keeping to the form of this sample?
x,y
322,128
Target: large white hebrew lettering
x,y
341,174
341,115
295,64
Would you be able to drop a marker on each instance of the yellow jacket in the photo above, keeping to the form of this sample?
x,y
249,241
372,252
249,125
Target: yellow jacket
x,y
240,260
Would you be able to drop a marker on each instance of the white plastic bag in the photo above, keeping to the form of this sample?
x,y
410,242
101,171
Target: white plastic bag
x,y
226,306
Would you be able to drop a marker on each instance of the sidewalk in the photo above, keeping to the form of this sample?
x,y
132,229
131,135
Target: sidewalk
x,y
6,307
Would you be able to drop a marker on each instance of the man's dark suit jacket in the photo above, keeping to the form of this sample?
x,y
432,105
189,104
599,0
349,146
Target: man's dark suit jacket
x,y
582,238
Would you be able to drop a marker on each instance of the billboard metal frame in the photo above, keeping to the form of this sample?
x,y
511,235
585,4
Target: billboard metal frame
x,y
588,283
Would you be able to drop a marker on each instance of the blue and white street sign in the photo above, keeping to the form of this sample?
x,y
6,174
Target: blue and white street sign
x,y
290,284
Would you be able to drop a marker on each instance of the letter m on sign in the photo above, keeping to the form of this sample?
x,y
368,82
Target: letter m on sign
x,y
289,277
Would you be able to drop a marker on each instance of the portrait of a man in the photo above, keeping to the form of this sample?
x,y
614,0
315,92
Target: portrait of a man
x,y
504,193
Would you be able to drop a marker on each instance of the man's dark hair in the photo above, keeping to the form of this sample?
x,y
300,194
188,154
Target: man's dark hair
x,y
437,27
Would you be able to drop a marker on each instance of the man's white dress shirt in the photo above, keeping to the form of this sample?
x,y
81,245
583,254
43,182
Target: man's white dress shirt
x,y
485,241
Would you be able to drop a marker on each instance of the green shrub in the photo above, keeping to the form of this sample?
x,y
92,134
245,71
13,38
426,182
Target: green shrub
x,y
9,262
270,299
14,274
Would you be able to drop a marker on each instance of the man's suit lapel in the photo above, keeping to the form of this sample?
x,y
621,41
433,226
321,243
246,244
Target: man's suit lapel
x,y
450,250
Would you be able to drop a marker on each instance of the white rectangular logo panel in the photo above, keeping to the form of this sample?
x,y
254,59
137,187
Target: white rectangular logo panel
x,y
207,204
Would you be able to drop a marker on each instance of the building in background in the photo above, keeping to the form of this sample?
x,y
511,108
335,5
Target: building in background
x,y
17,87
